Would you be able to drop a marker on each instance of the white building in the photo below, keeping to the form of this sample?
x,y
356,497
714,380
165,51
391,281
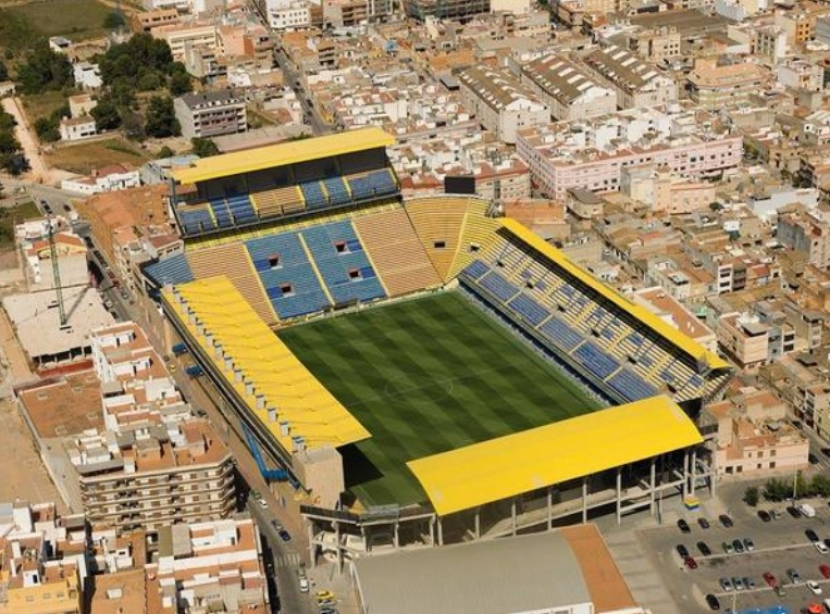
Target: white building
x,y
590,154
500,102
636,82
567,89
107,179
288,14
87,75
77,128
194,7
800,74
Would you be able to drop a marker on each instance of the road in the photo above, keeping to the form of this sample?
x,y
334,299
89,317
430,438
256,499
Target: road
x,y
318,125
286,558
39,171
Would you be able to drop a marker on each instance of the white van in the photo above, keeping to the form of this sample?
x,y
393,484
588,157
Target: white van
x,y
304,586
808,510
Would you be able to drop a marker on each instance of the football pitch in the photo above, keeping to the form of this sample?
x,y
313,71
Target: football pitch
x,y
427,376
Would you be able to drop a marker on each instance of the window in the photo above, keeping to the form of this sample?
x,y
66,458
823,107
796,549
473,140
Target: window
x,y
439,244
274,261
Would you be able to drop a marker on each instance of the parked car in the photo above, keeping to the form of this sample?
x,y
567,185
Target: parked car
x,y
792,574
726,521
825,451
690,562
738,546
814,587
764,515
812,458
682,550
704,548
683,526
713,602
304,585
793,511
822,547
704,524
771,580
749,544
727,548
811,535
749,582
738,583
263,503
824,570
726,584
285,535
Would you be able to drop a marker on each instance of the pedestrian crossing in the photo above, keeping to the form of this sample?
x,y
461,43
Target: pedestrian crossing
x,y
289,559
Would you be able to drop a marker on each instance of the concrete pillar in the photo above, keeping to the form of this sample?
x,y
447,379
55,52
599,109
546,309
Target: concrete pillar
x,y
365,539
311,547
694,472
396,537
585,499
338,547
432,531
550,507
440,531
513,514
619,495
478,523
685,473
652,484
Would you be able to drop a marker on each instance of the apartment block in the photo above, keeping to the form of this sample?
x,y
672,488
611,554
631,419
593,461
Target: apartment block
x,y
592,153
209,567
567,89
420,10
42,562
745,339
144,22
752,435
800,74
715,86
636,83
288,14
806,231
210,114
500,102
180,36
655,44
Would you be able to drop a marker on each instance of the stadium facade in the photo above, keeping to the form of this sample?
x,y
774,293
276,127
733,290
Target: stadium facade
x,y
291,234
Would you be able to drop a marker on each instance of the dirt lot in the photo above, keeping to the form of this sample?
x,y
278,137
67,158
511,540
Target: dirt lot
x,y
85,157
23,475
74,19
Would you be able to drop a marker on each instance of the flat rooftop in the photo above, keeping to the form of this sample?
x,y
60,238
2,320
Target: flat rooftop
x,y
37,321
65,406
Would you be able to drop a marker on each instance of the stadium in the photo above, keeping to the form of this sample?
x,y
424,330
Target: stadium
x,y
421,371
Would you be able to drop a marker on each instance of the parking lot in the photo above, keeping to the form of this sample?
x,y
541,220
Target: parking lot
x,y
779,545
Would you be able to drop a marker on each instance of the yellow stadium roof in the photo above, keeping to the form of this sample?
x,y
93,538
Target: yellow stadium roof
x,y
553,454
267,363
282,154
666,330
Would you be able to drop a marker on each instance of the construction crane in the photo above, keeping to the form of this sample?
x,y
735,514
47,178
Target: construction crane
x,y
56,271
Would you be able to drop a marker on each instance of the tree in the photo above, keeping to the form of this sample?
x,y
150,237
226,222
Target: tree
x,y
113,21
4,72
44,70
161,118
106,114
777,490
715,206
165,152
204,148
751,496
47,130
149,80
133,126
180,83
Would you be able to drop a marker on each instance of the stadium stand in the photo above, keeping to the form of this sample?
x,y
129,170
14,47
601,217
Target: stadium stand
x,y
438,222
174,270
398,255
232,261
342,262
244,189
626,358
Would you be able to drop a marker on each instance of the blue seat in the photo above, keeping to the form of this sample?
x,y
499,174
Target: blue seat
x,y
595,360
631,386
475,269
560,334
174,270
497,285
220,212
241,209
529,309
337,191
195,221
313,194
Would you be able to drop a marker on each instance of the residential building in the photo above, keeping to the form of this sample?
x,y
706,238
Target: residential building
x,y
675,313
655,44
87,75
715,86
500,102
664,192
107,179
636,83
77,128
180,36
210,114
288,14
591,154
210,566
81,105
420,10
807,231
42,569
567,89
770,43
800,74
752,435
745,339
144,22
193,7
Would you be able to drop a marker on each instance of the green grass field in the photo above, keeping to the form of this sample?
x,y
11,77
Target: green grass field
x,y
427,376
